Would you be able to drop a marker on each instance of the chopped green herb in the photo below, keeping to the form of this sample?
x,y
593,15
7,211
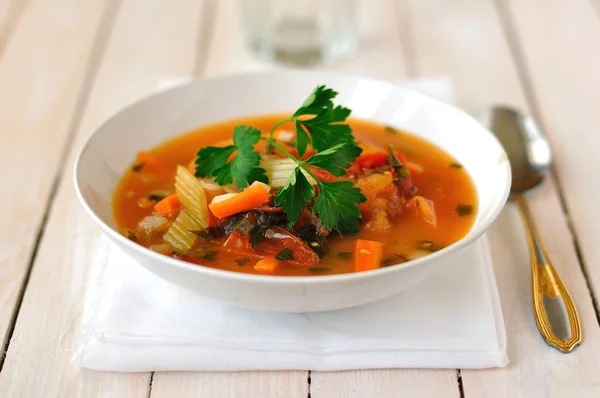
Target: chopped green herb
x,y
318,270
210,255
429,246
395,258
403,171
243,261
285,254
345,255
391,130
257,235
396,164
464,210
455,165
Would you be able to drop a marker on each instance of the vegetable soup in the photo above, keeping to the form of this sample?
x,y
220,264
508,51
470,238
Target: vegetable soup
x,y
312,193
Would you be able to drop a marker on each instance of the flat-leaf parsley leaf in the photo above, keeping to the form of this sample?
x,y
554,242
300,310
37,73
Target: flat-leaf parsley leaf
x,y
243,168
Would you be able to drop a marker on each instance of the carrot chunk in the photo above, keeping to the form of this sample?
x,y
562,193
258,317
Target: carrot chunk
x,y
168,206
367,255
252,196
267,265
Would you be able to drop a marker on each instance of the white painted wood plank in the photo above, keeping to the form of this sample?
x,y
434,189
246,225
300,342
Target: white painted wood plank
x,y
151,39
381,57
283,384
383,383
465,41
10,12
41,74
559,45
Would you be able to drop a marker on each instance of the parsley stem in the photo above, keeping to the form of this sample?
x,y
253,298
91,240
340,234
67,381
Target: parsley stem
x,y
300,163
277,125
274,143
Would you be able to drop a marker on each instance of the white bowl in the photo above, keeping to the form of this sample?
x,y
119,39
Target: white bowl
x,y
147,123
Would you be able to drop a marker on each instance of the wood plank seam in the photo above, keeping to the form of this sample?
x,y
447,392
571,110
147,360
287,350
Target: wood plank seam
x,y
459,381
407,42
530,96
99,46
150,384
13,16
206,31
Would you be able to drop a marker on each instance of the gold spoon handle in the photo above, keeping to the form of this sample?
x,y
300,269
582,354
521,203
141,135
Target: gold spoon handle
x,y
551,299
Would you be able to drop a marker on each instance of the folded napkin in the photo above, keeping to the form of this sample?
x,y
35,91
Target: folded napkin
x,y
135,321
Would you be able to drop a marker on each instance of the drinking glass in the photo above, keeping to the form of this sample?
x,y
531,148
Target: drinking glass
x,y
299,32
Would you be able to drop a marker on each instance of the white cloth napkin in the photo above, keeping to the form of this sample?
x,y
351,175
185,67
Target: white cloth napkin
x,y
135,321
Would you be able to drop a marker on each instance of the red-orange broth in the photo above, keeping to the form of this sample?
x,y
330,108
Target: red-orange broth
x,y
442,180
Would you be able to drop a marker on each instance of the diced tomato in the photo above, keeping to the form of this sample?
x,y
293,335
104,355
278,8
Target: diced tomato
x,y
276,239
373,160
323,175
354,168
212,220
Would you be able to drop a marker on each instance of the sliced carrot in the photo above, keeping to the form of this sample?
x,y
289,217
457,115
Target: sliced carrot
x,y
367,255
267,265
250,197
147,162
168,206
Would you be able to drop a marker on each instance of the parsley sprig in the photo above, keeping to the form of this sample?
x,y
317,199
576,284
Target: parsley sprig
x,y
318,123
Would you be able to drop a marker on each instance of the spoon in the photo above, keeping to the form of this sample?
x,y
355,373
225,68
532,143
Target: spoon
x,y
530,158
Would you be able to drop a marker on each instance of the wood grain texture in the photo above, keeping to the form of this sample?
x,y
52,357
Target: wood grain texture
x,y
559,49
143,47
284,384
42,72
491,77
384,383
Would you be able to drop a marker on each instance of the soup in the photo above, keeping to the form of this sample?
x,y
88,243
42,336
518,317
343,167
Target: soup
x,y
307,196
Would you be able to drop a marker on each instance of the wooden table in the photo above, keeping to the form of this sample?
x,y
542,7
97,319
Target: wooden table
x,y
67,65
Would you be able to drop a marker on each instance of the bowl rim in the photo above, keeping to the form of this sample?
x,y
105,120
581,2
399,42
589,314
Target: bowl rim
x,y
474,233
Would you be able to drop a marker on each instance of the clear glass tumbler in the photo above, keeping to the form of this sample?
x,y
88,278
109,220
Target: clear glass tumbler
x,y
299,32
